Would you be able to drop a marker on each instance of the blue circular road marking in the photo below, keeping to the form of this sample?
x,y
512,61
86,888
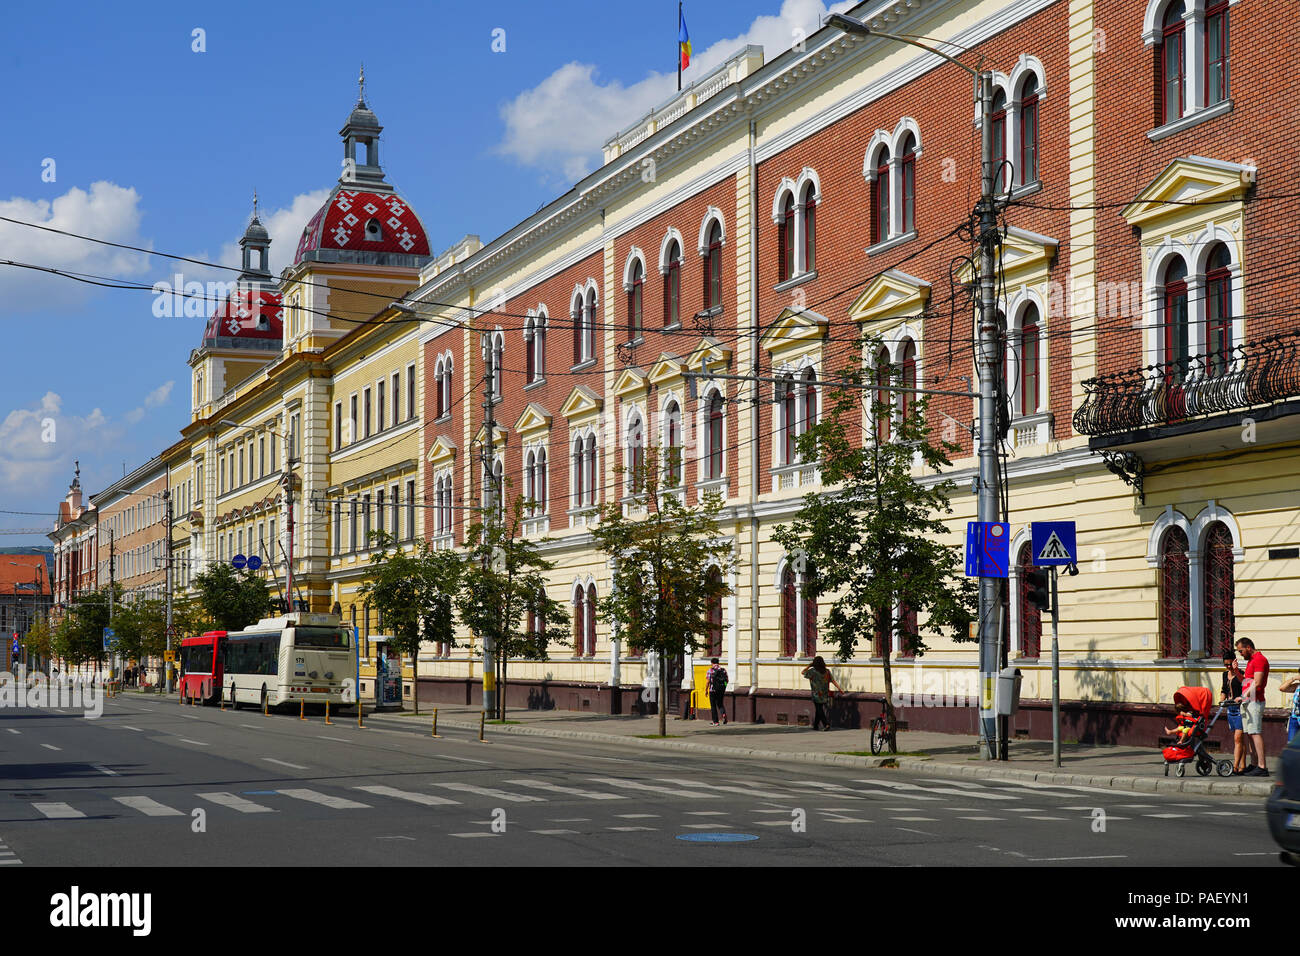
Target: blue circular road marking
x,y
717,837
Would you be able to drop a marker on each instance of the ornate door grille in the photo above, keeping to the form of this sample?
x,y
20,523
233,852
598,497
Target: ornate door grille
x,y
1175,602
1220,622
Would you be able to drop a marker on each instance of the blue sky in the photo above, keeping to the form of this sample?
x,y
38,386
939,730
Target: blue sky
x,y
157,145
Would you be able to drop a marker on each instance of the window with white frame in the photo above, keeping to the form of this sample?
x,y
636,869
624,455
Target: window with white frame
x,y
712,239
535,346
634,286
582,312
890,169
672,443
1017,100
714,429
797,411
634,453
670,267
535,481
795,214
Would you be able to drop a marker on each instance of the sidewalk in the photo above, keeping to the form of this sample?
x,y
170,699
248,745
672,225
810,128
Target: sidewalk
x,y
949,755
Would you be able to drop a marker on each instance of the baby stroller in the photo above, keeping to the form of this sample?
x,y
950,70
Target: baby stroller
x,y
1192,746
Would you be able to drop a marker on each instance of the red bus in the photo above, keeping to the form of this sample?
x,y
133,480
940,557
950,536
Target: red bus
x,y
201,667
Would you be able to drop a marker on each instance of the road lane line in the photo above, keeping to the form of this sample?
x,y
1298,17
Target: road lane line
x,y
1062,859
342,740
186,740
58,811
285,763
490,792
104,770
325,799
12,731
635,785
747,791
572,791
425,798
51,747
471,835
136,729
553,832
235,803
951,791
148,806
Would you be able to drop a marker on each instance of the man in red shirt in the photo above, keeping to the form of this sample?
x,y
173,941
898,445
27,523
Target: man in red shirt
x,y
1254,680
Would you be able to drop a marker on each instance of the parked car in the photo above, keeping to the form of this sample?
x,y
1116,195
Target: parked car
x,y
1284,804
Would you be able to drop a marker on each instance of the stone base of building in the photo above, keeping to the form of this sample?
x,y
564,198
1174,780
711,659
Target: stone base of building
x,y
1082,721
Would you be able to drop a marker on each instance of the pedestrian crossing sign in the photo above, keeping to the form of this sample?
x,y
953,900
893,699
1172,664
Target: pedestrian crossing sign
x,y
1053,543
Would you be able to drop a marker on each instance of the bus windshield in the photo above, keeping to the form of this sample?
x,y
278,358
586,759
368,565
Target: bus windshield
x,y
333,638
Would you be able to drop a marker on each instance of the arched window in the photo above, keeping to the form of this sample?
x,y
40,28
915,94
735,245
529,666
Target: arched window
x,y
576,317
672,445
1031,617
785,239
589,327
591,620
907,172
714,648
499,487
439,408
880,199
539,347
579,622
1218,310
789,614
539,481
635,457
1001,175
498,360
590,481
446,386
808,611
1216,52
530,478
1172,64
883,403
1029,130
1029,361
713,267
809,228
785,395
908,399
673,286
530,367
635,301
1175,609
1219,592
808,416
578,471
713,435
1175,327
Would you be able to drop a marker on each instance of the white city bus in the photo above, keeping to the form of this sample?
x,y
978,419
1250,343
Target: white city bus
x,y
298,656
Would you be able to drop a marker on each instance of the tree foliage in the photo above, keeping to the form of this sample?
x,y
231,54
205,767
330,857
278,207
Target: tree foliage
x,y
662,594
873,539
141,629
231,599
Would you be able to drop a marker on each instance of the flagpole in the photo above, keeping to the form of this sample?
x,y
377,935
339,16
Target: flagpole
x,y
679,46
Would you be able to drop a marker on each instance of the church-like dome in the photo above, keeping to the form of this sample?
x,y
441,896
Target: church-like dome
x,y
247,313
363,221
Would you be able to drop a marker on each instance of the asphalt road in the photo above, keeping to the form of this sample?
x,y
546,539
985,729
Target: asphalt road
x,y
152,783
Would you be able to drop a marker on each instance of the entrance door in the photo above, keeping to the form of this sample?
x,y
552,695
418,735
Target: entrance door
x,y
676,674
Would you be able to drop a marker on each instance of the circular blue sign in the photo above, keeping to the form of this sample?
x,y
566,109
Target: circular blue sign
x,y
717,837
254,562
239,561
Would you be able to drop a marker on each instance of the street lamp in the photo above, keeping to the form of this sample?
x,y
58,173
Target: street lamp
x,y
992,729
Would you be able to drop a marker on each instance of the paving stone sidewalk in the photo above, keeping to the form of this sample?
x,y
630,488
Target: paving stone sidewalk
x,y
1121,768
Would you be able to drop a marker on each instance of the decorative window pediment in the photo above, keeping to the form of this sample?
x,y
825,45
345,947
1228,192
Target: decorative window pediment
x,y
711,352
795,331
581,405
1026,257
534,418
630,381
667,369
892,294
498,433
442,450
1207,181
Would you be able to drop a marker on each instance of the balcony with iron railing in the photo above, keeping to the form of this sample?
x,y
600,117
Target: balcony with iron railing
x,y
1197,394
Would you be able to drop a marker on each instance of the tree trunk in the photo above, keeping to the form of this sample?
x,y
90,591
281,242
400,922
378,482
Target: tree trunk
x,y
663,694
415,680
891,717
501,692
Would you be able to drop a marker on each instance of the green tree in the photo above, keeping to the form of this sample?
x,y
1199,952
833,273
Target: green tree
x,y
81,636
232,599
40,640
503,594
413,591
662,594
141,628
873,538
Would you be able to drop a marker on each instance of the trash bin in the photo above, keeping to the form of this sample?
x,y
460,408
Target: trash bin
x,y
1008,691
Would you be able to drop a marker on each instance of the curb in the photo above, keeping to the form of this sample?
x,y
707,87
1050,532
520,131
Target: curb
x,y
1217,787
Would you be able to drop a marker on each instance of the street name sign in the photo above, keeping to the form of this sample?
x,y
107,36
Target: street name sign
x,y
988,548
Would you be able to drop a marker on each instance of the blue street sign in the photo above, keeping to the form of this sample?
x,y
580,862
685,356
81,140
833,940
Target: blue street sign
x,y
239,561
18,648
254,562
1053,543
110,638
988,549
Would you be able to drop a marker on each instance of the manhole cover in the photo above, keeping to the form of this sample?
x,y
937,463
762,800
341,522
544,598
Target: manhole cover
x,y
717,837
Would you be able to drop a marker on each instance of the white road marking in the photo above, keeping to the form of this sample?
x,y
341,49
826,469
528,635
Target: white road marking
x,y
341,740
845,820
910,830
708,826
136,729
706,813
235,803
428,799
786,812
635,785
285,763
772,823
251,726
490,792
552,832
186,740
981,818
1035,785
51,747
637,816
1062,859
1167,816
1265,853
907,788
632,829
918,819
747,791
469,835
1043,818
572,791
104,770
1224,813
12,731
148,806
570,819
10,862
58,811
325,799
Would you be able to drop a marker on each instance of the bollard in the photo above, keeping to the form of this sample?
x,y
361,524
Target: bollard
x,y
435,721
223,698
360,708
265,713
302,708
482,716
327,711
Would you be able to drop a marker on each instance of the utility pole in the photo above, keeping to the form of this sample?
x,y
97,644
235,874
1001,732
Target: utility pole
x,y
490,492
112,575
992,730
167,665
288,500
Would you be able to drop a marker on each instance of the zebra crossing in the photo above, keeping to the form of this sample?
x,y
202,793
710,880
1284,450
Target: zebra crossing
x,y
8,857
750,803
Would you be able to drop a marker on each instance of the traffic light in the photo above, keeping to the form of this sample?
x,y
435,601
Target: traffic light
x,y
1036,589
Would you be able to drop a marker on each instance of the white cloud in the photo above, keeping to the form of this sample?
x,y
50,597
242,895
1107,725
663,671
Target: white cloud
x,y
39,442
589,111
107,211
284,224
159,395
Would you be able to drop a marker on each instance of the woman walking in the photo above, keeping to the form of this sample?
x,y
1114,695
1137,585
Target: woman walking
x,y
1230,691
820,679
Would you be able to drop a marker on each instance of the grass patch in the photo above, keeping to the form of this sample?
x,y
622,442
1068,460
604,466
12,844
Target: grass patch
x,y
868,753
501,721
657,737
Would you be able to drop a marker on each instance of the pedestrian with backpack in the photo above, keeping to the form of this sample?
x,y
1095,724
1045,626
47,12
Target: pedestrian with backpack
x,y
716,680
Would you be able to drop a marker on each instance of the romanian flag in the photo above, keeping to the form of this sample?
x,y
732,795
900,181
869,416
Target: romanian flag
x,y
683,39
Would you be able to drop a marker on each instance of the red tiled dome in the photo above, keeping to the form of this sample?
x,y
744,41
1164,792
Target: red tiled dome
x,y
247,314
341,223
